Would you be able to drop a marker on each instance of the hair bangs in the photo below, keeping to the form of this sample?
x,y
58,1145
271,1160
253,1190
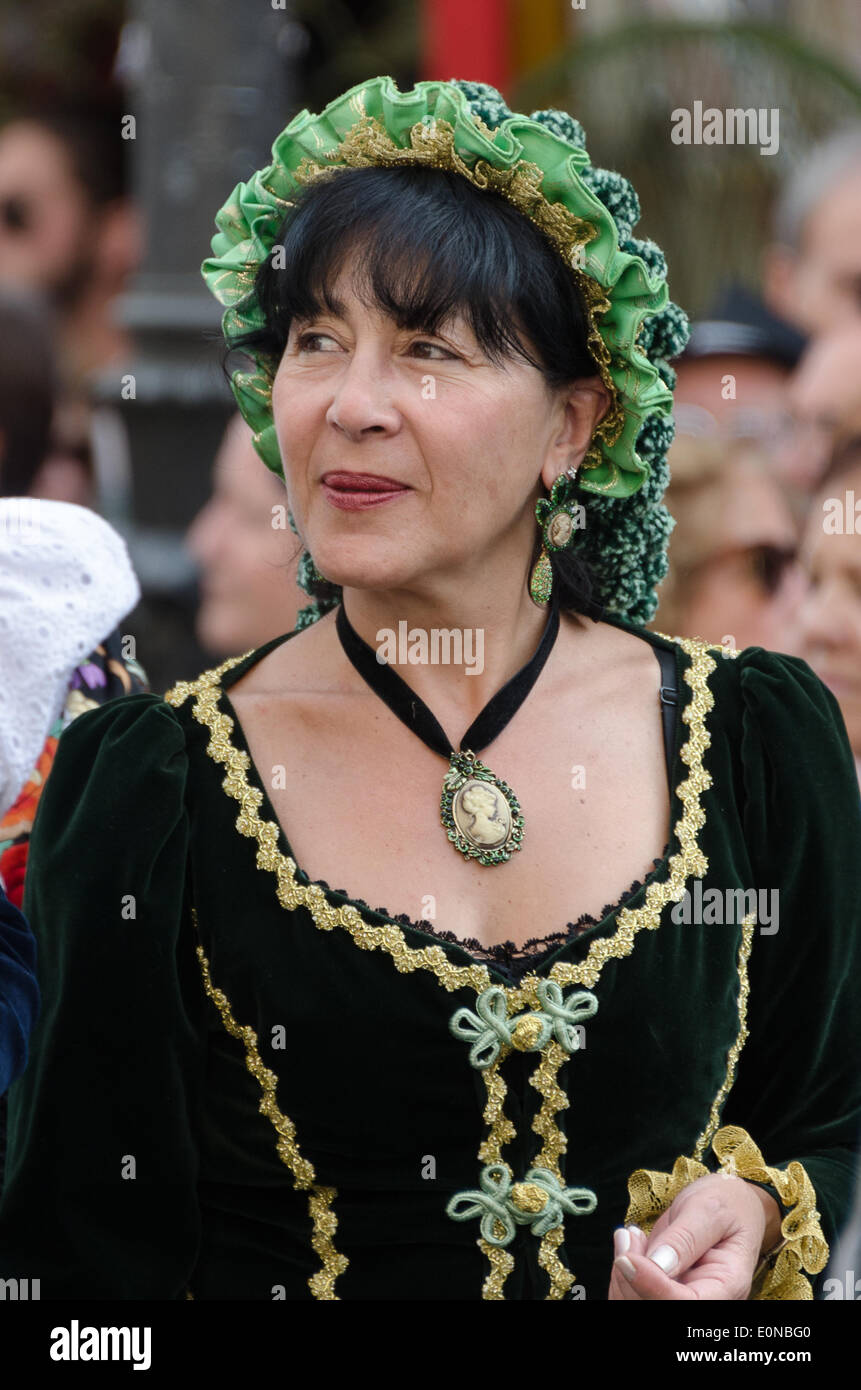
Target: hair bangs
x,y
425,247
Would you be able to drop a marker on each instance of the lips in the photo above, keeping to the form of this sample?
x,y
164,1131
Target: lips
x,y
361,482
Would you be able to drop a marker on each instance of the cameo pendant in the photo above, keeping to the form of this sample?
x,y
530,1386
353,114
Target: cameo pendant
x,y
480,813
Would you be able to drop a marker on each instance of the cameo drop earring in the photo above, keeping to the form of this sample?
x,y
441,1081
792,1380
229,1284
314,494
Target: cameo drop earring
x,y
556,516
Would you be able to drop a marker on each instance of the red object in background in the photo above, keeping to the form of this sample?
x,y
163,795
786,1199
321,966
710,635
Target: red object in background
x,y
467,39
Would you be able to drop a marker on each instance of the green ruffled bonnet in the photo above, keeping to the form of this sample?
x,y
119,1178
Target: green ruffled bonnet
x,y
540,164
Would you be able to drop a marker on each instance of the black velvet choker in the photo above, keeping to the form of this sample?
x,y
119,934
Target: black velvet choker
x,y
480,813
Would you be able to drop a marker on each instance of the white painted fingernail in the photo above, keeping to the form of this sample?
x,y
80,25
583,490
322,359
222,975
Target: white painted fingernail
x,y
665,1258
635,1230
621,1240
625,1267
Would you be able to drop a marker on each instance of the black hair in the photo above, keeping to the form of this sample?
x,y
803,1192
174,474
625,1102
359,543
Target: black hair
x,y
432,244
92,142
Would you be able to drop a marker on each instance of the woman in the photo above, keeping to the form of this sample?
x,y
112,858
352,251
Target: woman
x,y
830,617
733,579
291,1093
248,589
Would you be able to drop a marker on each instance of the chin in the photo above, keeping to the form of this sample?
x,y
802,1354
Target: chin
x,y
370,570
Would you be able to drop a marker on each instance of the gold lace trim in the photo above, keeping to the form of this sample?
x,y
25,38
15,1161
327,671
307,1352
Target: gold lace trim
x,y
320,1199
369,143
690,861
803,1246
501,1265
545,1080
744,950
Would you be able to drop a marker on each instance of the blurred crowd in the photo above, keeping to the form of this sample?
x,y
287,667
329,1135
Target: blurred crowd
x,y
765,468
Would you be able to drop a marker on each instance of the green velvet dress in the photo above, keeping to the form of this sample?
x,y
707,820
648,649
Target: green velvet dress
x,y
245,1085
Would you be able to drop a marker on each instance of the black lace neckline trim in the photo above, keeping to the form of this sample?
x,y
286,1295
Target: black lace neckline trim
x,y
505,955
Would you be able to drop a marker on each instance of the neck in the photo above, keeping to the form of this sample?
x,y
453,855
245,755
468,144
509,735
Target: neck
x,y
455,644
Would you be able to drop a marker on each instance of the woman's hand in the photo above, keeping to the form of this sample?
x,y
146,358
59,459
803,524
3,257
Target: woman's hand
x,y
706,1245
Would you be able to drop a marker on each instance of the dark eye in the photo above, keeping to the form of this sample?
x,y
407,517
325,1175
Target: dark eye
x,y
434,347
305,342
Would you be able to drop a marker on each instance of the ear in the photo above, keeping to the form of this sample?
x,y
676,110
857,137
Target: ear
x,y
583,406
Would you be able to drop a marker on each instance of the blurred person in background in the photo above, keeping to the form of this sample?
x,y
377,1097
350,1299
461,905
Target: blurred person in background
x,y
830,617
70,232
733,572
732,377
812,270
246,551
67,228
65,582
43,450
822,395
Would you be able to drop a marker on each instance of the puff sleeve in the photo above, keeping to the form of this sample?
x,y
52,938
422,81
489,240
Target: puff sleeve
x,y
793,1114
100,1195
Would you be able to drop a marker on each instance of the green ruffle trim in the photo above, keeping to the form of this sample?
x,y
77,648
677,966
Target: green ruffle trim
x,y
638,326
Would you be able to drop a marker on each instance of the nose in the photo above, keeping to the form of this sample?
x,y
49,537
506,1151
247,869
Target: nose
x,y
206,532
362,401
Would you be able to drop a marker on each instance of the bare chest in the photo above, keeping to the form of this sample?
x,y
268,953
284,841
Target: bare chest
x,y
357,795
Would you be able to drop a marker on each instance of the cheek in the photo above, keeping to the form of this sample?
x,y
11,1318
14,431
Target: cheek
x,y
298,419
483,450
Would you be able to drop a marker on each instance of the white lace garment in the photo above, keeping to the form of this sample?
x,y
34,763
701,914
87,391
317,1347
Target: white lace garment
x,y
65,582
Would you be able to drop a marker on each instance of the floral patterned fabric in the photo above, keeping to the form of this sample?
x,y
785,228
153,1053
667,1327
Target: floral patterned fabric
x,y
105,675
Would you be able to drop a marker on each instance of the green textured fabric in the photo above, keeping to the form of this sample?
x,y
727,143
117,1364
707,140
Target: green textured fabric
x,y
130,1057
640,328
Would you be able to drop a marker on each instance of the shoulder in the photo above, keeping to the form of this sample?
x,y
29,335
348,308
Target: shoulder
x,y
143,718
113,765
115,798
771,697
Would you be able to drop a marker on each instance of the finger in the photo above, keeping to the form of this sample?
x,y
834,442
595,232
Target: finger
x,y
696,1229
621,1288
639,1278
624,1239
627,1238
625,1283
639,1240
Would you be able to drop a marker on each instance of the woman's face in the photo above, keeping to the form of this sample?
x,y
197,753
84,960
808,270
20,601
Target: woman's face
x,y
413,460
248,592
728,595
831,613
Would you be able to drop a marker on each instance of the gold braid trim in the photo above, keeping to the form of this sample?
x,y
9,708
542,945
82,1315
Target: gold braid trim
x,y
501,1265
500,1128
320,1199
802,1246
561,1279
499,1131
545,1080
389,938
744,950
